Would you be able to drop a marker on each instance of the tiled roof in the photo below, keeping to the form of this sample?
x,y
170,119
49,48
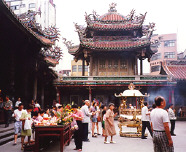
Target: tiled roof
x,y
116,45
121,26
176,69
51,60
9,13
113,17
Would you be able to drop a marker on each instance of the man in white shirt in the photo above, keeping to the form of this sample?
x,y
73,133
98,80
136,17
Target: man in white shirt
x,y
86,119
18,124
18,102
145,120
160,125
172,118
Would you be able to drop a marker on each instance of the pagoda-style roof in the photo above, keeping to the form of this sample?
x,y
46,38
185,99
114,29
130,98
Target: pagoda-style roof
x,y
175,69
113,32
114,21
122,45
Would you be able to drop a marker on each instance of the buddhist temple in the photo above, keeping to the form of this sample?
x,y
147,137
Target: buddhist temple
x,y
112,44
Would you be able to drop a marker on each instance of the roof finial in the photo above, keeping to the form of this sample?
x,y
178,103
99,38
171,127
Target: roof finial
x,y
112,7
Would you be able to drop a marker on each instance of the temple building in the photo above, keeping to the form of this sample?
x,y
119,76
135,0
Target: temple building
x,y
111,46
27,55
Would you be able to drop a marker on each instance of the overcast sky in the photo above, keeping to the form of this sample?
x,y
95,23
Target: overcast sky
x,y
169,16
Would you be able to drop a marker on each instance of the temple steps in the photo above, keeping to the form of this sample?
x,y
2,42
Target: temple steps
x,y
7,134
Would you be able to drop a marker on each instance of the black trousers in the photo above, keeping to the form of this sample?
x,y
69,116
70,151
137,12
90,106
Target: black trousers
x,y
78,135
8,114
146,124
85,131
172,126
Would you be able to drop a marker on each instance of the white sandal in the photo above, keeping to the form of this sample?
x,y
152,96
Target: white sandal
x,y
106,142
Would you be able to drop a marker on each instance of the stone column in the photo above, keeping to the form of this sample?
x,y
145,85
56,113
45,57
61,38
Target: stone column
x,y
83,67
90,94
42,96
141,67
35,83
91,66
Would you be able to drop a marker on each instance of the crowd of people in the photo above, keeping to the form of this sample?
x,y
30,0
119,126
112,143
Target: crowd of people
x,y
87,119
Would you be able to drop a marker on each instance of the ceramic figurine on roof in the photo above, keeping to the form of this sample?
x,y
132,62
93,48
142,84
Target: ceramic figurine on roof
x,y
113,7
112,43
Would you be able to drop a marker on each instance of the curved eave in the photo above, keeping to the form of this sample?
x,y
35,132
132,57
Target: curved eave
x,y
113,45
5,9
51,62
114,27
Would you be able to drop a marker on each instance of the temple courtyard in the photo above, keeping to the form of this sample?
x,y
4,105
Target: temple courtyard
x,y
123,144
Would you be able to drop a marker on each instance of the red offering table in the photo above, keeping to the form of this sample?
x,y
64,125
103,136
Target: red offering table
x,y
63,131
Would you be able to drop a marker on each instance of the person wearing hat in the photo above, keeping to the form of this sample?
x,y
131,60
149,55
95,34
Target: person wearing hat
x,y
172,118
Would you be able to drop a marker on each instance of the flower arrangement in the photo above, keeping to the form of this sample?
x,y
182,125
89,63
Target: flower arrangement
x,y
65,116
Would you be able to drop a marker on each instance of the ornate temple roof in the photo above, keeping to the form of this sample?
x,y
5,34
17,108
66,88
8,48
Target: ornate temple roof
x,y
26,22
175,69
114,21
116,45
113,32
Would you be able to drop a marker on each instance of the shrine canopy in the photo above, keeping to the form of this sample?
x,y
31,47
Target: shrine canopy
x,y
113,32
131,92
176,70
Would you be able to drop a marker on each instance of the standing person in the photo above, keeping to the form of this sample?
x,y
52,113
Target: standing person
x,y
8,111
172,118
109,124
26,116
86,119
1,103
32,103
98,117
160,125
180,112
17,102
78,134
104,109
93,118
18,123
145,120
37,106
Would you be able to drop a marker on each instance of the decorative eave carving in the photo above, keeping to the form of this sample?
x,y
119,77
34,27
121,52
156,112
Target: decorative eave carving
x,y
148,30
54,52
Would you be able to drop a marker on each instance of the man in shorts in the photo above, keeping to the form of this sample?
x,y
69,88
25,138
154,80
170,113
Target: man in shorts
x,y
18,124
160,126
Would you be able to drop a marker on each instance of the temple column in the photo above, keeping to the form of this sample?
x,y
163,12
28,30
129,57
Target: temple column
x,y
136,66
90,65
42,96
141,67
58,96
90,94
172,92
83,67
35,84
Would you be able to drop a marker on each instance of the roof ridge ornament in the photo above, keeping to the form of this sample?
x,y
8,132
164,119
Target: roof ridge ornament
x,y
131,86
112,7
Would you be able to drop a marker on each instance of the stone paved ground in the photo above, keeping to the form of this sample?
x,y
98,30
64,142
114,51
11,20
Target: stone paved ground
x,y
123,144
